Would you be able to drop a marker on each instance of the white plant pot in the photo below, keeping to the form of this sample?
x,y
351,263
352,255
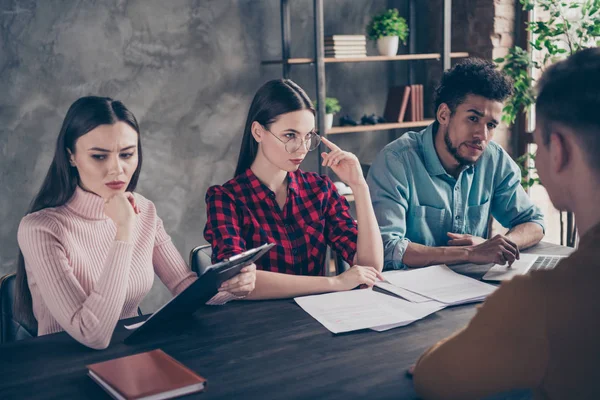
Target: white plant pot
x,y
328,121
388,45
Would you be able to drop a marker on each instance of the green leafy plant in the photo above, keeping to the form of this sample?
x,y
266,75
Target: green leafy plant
x,y
526,164
571,26
516,65
332,105
388,23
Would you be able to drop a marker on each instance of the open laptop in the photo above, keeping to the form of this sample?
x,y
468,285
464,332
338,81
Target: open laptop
x,y
198,293
526,263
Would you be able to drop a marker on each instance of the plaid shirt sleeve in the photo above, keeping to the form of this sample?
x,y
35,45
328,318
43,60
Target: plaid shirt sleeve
x,y
223,226
341,229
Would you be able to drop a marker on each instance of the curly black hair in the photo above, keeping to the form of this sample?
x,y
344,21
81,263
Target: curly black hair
x,y
472,76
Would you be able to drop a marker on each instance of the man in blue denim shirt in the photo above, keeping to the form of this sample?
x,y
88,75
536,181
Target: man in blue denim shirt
x,y
433,191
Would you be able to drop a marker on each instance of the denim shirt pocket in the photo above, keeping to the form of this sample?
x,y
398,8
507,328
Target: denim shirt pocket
x,y
477,219
431,231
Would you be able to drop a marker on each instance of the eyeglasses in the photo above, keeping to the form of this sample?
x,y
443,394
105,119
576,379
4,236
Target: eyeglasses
x,y
292,145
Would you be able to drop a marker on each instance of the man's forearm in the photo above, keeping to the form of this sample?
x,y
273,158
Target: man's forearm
x,y
417,255
526,235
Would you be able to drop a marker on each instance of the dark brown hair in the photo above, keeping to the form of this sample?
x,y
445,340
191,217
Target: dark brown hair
x,y
84,115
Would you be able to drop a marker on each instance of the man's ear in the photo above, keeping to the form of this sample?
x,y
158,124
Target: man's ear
x,y
257,131
443,114
561,151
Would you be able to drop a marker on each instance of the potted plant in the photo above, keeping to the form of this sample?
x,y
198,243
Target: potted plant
x,y
332,106
569,28
388,29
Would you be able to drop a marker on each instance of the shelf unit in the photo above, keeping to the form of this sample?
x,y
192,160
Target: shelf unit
x,y
378,127
399,57
319,61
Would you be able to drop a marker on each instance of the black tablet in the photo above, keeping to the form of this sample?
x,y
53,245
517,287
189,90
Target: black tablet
x,y
198,293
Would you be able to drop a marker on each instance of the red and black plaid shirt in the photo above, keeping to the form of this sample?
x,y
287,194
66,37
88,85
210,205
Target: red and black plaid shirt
x,y
243,214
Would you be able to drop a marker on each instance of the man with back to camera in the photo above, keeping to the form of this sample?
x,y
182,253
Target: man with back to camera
x,y
540,331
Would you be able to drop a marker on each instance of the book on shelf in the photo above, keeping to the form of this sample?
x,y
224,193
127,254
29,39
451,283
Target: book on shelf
x,y
414,109
151,375
363,50
344,45
396,104
348,55
421,104
346,52
417,97
345,38
345,42
353,45
346,48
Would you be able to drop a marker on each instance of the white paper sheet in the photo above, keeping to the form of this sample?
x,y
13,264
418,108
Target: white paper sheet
x,y
391,277
440,283
361,309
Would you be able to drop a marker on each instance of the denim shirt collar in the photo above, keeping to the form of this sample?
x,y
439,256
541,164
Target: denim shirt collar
x,y
432,160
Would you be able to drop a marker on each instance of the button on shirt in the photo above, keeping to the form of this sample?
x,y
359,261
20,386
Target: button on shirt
x,y
243,213
416,200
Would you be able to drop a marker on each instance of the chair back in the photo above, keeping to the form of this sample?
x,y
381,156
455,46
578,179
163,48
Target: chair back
x,y
341,266
10,329
200,259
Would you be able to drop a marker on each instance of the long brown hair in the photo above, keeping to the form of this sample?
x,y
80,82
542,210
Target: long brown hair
x,y
274,98
62,179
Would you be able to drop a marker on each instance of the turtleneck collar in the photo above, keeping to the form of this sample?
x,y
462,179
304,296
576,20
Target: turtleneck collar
x,y
87,204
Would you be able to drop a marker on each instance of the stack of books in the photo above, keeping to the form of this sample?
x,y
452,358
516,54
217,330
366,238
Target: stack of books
x,y
345,46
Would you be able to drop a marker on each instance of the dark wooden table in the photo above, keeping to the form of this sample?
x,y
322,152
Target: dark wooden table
x,y
249,350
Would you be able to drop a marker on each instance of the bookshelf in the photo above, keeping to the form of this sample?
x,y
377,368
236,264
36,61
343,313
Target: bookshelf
x,y
400,57
379,127
319,62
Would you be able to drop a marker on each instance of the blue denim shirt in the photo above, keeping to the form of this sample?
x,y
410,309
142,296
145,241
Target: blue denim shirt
x,y
416,200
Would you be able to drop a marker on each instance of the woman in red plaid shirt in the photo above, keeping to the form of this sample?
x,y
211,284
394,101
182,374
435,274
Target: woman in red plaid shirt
x,y
271,200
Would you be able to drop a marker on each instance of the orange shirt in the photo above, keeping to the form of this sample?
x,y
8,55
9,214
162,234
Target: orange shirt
x,y
539,331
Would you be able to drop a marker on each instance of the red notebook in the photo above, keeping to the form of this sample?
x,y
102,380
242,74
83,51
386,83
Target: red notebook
x,y
152,375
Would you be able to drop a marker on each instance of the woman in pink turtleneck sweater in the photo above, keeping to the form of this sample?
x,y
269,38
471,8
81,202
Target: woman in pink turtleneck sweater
x,y
90,246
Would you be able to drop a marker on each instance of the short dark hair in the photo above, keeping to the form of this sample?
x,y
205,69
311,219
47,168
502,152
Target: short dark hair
x,y
472,76
569,94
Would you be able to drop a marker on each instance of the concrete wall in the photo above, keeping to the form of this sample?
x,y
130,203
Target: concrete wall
x,y
187,69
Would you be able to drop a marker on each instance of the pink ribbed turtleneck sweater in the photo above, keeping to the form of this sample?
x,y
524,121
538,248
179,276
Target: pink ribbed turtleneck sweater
x,y
81,279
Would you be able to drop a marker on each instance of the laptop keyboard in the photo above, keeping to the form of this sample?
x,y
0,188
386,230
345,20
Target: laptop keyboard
x,y
542,263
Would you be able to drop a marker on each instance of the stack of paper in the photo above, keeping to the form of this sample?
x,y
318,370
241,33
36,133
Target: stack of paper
x,y
361,309
437,283
414,295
